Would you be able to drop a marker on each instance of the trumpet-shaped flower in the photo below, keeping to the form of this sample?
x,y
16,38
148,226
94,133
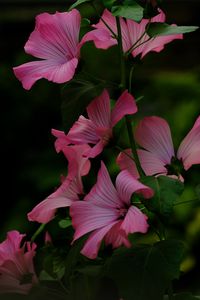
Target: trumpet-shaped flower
x,y
107,212
134,38
158,156
17,273
97,129
70,188
55,41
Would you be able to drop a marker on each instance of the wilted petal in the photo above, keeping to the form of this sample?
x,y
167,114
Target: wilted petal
x,y
189,150
125,105
135,221
61,141
153,134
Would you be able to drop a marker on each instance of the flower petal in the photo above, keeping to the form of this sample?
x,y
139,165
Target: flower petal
x,y
117,237
126,185
99,110
87,217
93,243
94,151
52,70
153,134
103,192
135,221
55,36
125,105
151,164
83,132
189,149
62,197
125,162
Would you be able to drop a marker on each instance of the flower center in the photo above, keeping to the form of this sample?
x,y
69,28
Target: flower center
x,y
175,167
122,212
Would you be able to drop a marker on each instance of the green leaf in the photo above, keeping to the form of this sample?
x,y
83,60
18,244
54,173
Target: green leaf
x,y
45,276
76,95
130,11
65,223
162,29
166,191
184,296
108,3
144,272
78,3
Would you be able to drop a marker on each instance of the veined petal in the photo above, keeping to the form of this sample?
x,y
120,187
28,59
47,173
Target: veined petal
x,y
103,192
101,38
99,110
83,132
126,185
62,197
61,141
51,70
150,163
10,245
94,151
93,243
153,134
135,221
117,237
125,162
87,217
55,36
77,164
189,149
125,105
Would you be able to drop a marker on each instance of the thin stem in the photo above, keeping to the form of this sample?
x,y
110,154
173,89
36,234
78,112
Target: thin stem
x,y
135,45
123,86
122,61
186,202
133,146
38,231
130,79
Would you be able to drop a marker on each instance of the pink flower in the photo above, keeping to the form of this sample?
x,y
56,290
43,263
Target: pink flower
x,y
107,212
55,41
133,33
70,188
157,156
17,273
97,130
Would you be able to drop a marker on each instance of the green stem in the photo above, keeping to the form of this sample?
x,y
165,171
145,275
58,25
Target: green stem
x,y
123,86
186,202
133,146
38,231
121,53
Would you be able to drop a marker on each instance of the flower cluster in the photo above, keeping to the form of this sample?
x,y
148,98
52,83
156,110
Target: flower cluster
x,y
109,212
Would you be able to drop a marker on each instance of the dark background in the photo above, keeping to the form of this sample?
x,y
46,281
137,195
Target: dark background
x,y
30,167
